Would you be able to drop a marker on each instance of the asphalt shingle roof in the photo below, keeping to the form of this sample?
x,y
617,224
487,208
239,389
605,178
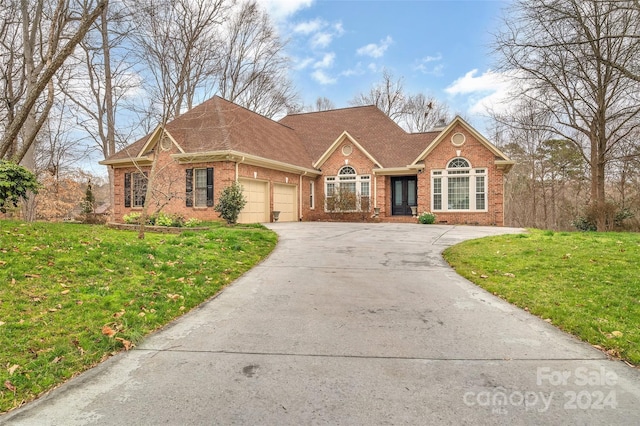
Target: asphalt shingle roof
x,y
297,139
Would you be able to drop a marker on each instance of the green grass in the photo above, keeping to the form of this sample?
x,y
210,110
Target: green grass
x,y
72,295
587,284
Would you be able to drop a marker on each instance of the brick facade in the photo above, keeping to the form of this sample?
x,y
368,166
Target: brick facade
x,y
277,156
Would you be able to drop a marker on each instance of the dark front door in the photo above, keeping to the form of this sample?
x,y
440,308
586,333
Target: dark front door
x,y
404,194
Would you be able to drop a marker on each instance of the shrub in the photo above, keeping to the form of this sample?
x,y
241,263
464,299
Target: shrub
x,y
231,203
193,222
427,218
132,218
584,224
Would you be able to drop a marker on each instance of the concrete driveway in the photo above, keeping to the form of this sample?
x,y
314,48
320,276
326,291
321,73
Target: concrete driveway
x,y
351,324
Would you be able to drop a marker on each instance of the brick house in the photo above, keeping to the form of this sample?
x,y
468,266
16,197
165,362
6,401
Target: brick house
x,y
347,164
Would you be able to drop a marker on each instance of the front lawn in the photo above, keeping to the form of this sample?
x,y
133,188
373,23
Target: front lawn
x,y
72,295
587,284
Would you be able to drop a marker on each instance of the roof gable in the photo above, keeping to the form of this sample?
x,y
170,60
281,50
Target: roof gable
x,y
447,130
220,125
344,136
377,135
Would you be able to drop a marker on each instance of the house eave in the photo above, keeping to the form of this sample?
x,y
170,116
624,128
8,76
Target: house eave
x,y
239,157
504,165
411,170
125,162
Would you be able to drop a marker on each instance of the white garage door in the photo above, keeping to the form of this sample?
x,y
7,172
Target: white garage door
x,y
257,195
284,200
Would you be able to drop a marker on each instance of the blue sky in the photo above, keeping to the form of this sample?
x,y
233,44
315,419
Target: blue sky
x,y
441,48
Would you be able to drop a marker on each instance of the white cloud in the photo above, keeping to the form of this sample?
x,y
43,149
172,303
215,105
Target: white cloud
x,y
309,26
375,50
322,77
429,65
321,40
372,67
281,9
488,91
301,64
353,71
326,61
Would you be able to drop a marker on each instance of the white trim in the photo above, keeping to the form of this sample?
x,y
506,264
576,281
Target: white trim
x,y
469,172
344,136
252,160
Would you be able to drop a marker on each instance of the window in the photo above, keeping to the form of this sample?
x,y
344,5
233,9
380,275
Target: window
x,y
199,187
459,187
348,191
135,189
312,190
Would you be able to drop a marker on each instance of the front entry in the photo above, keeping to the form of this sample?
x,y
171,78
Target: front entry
x,y
404,194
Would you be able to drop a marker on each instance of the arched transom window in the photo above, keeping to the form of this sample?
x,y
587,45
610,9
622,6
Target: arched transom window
x,y
459,187
348,191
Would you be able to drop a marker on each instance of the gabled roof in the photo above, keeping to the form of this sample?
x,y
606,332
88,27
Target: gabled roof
x,y
219,125
501,158
382,138
344,136
218,129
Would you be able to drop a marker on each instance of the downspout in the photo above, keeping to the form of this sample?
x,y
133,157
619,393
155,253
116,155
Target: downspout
x,y
238,162
375,190
300,196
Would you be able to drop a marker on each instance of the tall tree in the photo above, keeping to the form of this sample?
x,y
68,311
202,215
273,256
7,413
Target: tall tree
x,y
556,48
253,66
388,95
414,112
49,32
179,49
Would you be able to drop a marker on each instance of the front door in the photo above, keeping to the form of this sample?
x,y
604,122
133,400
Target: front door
x,y
404,194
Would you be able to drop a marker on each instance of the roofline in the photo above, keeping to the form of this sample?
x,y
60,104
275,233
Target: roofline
x,y
329,110
409,170
240,157
345,135
459,120
124,162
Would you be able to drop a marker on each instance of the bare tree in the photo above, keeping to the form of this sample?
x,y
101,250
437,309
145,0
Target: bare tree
x,y
423,113
556,47
179,48
388,95
49,32
104,78
323,104
253,67
414,112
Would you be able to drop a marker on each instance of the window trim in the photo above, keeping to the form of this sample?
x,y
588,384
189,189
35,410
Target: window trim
x,y
312,195
348,175
456,169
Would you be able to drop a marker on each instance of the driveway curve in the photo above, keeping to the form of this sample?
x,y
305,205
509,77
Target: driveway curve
x,y
351,324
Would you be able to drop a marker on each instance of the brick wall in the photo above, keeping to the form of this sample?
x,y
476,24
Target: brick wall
x,y
479,157
171,181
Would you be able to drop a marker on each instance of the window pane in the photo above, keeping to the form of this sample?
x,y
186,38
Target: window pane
x,y
330,189
458,193
364,189
411,187
398,193
139,189
457,163
480,193
437,194
200,187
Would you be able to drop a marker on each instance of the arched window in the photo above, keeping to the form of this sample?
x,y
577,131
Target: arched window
x,y
458,163
347,191
459,187
347,170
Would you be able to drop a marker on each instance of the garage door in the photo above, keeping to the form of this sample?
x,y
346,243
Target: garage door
x,y
257,195
284,200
